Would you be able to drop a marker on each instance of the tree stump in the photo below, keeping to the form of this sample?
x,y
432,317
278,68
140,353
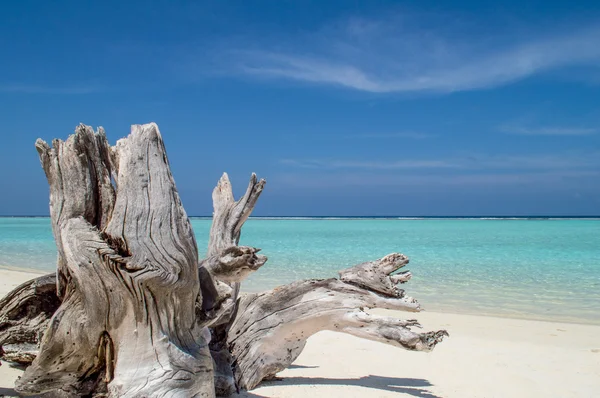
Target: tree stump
x,y
133,312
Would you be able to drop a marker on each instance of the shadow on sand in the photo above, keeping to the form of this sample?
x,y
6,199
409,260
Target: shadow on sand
x,y
414,387
301,367
7,392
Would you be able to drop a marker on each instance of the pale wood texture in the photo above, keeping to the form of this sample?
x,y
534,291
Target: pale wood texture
x,y
127,273
24,316
271,328
227,265
132,312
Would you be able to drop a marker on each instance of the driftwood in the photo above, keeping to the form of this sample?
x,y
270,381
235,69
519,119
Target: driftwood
x,y
24,316
271,328
133,312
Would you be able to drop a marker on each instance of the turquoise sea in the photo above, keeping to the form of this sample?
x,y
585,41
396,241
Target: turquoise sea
x,y
546,269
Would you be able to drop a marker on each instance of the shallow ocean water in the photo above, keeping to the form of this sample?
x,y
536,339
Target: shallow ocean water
x,y
539,269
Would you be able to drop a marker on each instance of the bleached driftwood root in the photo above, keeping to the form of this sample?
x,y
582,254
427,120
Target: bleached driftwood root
x,y
224,268
24,316
271,328
130,310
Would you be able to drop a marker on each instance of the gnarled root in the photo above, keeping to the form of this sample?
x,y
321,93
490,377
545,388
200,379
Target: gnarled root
x,y
271,328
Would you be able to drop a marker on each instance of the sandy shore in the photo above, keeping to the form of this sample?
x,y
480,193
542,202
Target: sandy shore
x,y
484,357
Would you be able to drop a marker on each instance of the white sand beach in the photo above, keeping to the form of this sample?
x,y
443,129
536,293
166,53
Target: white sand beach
x,y
484,357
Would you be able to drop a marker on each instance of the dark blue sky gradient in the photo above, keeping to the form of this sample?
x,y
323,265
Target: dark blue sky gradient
x,y
346,108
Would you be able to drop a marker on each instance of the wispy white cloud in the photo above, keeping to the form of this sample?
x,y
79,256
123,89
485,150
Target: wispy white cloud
x,y
371,165
555,161
42,89
530,181
391,56
474,162
402,134
556,131
383,136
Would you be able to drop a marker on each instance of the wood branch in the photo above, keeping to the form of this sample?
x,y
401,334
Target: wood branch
x,y
229,216
24,316
129,259
78,172
228,264
235,263
271,328
224,268
376,275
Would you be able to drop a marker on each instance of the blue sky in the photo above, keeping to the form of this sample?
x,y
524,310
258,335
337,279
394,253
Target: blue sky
x,y
345,107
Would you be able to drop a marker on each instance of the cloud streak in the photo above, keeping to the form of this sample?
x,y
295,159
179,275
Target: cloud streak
x,y
532,181
552,131
40,89
371,165
403,134
470,163
387,56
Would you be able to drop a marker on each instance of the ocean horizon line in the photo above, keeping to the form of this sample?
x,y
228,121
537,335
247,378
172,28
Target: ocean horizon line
x,y
391,217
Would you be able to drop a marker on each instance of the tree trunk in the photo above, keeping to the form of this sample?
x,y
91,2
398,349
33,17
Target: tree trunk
x,y
127,273
131,312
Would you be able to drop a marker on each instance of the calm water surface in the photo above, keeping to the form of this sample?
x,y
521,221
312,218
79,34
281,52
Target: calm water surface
x,y
539,269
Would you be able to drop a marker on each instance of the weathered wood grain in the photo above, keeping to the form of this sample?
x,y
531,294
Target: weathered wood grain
x,y
24,316
127,273
271,328
133,312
